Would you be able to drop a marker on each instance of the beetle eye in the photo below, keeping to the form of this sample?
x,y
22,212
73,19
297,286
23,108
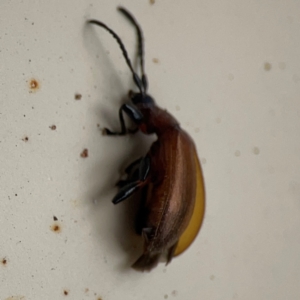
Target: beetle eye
x,y
139,98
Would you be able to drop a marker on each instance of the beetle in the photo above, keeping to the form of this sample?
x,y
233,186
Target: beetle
x,y
169,176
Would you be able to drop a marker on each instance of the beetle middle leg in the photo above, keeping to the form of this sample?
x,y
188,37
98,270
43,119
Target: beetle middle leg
x,y
133,174
133,113
135,183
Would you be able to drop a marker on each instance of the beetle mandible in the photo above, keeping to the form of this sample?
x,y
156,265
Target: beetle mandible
x,y
170,177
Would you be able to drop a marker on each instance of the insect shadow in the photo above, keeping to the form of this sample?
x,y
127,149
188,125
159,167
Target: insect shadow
x,y
121,231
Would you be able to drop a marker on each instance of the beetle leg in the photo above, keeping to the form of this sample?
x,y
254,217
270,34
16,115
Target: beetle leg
x,y
133,131
131,176
121,183
142,213
144,168
133,113
171,252
126,191
145,232
133,164
146,262
129,187
148,233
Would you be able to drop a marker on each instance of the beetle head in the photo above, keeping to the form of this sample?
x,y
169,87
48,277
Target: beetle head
x,y
141,98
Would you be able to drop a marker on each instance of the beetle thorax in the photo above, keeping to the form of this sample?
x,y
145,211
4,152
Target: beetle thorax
x,y
156,120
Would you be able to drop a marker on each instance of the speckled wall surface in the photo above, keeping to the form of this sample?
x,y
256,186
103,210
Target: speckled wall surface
x,y
229,71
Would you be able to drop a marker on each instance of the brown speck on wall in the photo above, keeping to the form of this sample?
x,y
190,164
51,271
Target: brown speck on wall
x,y
34,85
267,66
155,60
152,1
25,139
4,261
52,127
55,218
56,228
230,77
84,153
66,293
256,150
237,153
78,96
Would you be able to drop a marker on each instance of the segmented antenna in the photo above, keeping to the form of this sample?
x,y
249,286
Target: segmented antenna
x,y
136,78
140,37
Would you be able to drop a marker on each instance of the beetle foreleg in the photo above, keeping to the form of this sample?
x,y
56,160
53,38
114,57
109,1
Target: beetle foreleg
x,y
133,114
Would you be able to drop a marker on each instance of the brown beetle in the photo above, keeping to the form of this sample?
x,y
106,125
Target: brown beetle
x,y
170,176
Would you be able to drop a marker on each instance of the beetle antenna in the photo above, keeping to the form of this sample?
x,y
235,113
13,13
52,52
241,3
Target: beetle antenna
x,y
140,37
135,76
